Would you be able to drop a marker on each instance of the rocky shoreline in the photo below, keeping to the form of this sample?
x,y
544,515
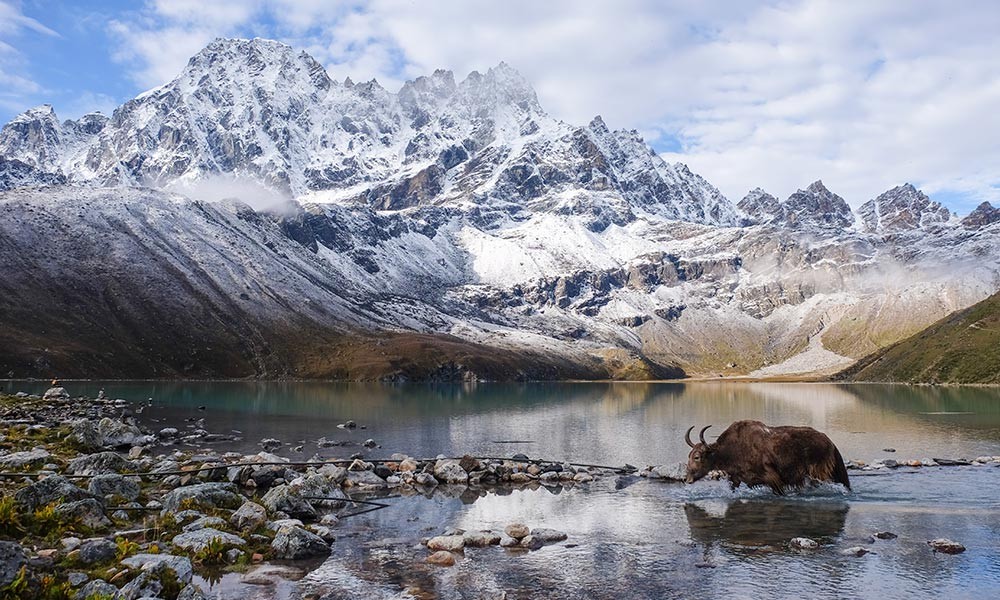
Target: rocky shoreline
x,y
90,512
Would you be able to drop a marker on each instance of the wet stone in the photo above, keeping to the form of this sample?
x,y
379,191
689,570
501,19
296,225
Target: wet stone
x,y
442,558
801,543
446,542
517,530
946,546
292,543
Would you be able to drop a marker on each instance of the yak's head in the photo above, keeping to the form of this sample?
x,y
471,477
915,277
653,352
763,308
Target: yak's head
x,y
701,460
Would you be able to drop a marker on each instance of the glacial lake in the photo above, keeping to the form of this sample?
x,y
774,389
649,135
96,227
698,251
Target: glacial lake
x,y
628,537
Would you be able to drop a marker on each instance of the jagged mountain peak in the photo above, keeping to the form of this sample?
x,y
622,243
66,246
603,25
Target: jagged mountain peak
x,y
42,111
760,206
901,208
984,215
817,206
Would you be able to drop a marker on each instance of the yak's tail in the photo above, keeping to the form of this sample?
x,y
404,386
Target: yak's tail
x,y
840,470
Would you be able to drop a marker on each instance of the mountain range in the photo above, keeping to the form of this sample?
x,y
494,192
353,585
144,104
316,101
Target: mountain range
x,y
255,218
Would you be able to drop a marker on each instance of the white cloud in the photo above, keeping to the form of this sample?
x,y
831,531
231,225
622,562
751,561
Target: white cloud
x,y
864,95
16,85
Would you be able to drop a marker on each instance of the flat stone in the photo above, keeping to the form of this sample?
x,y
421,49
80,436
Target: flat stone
x,y
884,535
20,461
272,575
548,536
446,542
205,523
479,539
199,539
946,546
802,543
855,551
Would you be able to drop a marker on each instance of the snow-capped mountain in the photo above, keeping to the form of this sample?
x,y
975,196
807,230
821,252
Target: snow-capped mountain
x,y
450,229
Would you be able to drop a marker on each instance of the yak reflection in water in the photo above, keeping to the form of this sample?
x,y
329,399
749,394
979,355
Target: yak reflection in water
x,y
748,523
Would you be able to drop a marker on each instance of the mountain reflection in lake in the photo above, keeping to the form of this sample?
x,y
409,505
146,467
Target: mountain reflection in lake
x,y
646,540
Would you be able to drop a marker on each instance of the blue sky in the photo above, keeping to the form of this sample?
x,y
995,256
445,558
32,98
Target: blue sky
x,y
863,95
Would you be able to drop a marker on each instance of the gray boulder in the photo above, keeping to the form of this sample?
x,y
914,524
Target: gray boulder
x,y
113,484
193,541
12,558
179,566
450,471
89,512
101,463
202,495
97,550
49,490
56,393
85,435
21,461
292,543
117,434
249,516
297,498
98,588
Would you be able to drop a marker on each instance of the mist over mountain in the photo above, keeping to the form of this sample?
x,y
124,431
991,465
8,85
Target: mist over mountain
x,y
254,217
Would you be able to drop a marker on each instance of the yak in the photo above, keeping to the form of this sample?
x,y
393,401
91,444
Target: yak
x,y
750,452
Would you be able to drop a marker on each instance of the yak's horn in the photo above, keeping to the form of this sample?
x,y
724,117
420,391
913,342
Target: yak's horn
x,y
701,434
687,436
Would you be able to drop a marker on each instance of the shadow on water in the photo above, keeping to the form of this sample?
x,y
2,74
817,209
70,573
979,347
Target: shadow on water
x,y
752,523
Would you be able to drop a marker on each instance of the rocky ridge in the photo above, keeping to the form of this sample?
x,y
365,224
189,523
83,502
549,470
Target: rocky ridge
x,y
452,230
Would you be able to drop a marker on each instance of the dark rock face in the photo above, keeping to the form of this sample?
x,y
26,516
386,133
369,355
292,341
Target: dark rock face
x,y
15,174
903,208
760,206
816,206
984,215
